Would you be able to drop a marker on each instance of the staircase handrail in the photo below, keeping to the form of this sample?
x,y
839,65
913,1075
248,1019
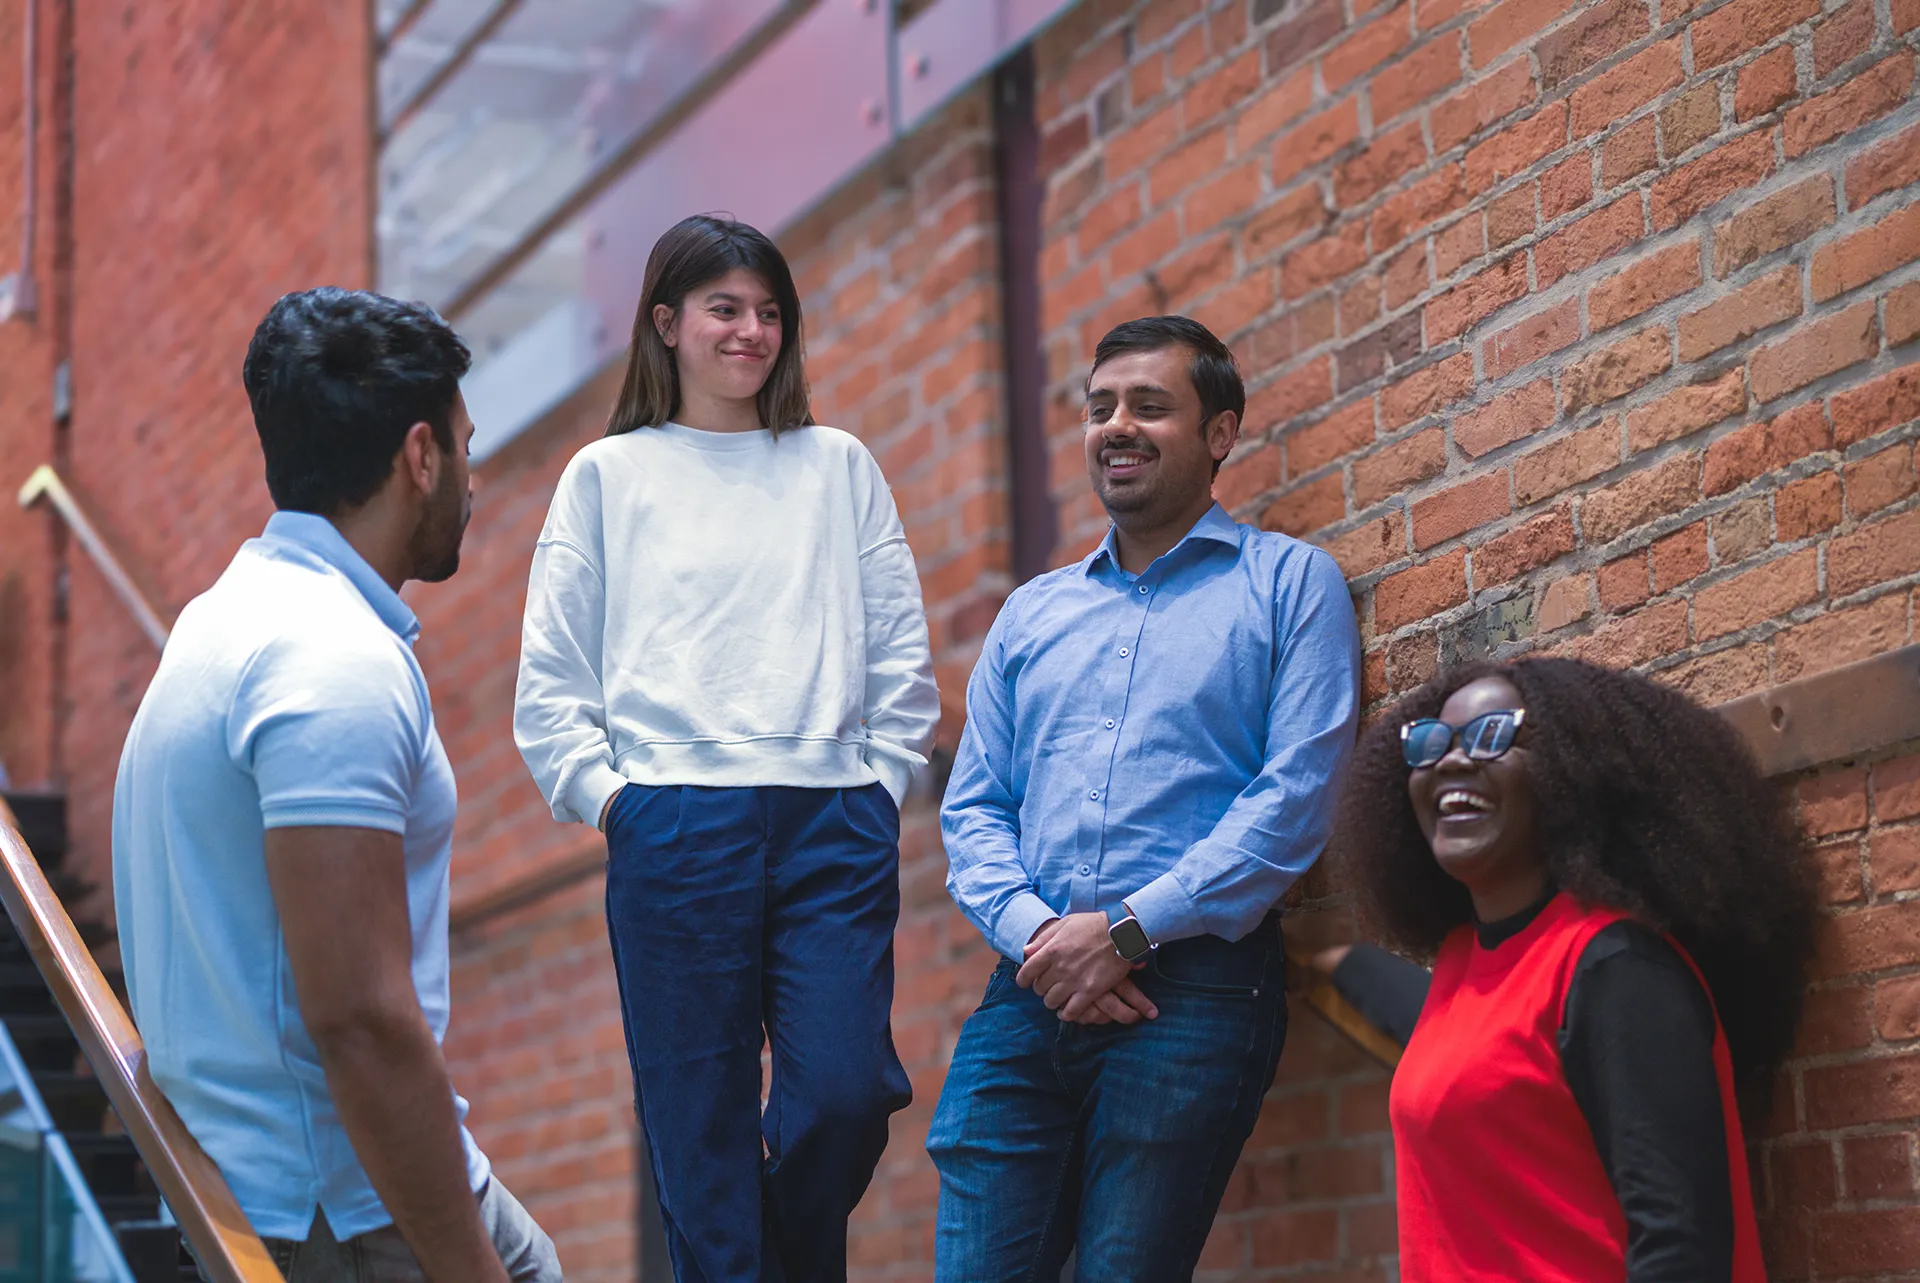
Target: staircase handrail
x,y
222,1239
46,483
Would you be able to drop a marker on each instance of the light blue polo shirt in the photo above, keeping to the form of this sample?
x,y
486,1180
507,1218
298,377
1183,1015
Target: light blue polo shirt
x,y
288,695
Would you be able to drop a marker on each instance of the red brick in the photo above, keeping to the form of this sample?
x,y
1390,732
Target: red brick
x,y
1906,16
1285,220
1510,217
1363,50
1273,106
1249,475
1576,457
1420,592
1764,84
1460,244
1623,584
1529,340
1567,186
1391,157
1323,260
1517,147
1628,152
1763,593
1896,789
1460,508
1841,878
1428,200
1686,410
1679,557
1760,448
1901,319
1225,197
1833,802
1872,408
1894,857
1221,90
1418,77
1426,390
1779,221
1880,480
1528,546
1887,549
1393,468
1815,349
1887,166
1868,253
1368,547
1864,98
1475,299
1314,140
1337,435
1640,286
1598,33
1613,371
1617,94
1879,1090
1765,302
1690,119
1566,600
1598,236
1720,173
1897,1008
1187,164
1638,498
1302,509
1637,638
1507,24
1407,277
1807,507
1505,419
1292,394
1879,1167
1840,637
1842,36
1730,31
1482,103
1804,1174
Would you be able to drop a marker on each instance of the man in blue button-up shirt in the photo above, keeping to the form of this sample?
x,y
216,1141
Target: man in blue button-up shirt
x,y
1155,737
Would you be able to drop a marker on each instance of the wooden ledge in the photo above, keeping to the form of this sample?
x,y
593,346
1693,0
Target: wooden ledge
x,y
1832,716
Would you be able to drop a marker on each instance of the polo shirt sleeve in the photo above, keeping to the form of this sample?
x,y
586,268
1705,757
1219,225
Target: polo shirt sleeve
x,y
332,730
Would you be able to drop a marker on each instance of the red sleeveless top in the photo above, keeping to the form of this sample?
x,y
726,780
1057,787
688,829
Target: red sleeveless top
x,y
1497,1173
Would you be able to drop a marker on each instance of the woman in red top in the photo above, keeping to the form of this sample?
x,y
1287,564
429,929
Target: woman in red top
x,y
1619,915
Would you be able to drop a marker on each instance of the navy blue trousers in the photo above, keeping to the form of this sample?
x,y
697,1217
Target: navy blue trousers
x,y
735,912
1115,1141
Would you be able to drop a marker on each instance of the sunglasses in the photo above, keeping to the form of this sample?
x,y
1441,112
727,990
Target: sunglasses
x,y
1486,737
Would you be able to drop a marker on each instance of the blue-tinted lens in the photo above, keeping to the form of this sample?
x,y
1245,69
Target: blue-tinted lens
x,y
1488,736
1426,742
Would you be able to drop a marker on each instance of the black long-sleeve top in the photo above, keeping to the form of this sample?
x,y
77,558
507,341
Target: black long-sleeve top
x,y
1637,1050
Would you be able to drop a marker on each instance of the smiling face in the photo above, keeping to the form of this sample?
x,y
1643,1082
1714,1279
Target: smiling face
x,y
1148,453
724,337
1478,817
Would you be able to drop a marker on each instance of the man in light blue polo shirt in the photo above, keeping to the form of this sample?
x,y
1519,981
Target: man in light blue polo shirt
x,y
283,825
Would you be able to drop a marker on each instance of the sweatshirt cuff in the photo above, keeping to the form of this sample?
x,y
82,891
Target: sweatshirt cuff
x,y
590,790
1023,916
1165,911
895,775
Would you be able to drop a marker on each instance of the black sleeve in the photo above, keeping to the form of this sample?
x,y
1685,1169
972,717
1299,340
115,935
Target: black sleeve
x,y
1638,1052
1384,987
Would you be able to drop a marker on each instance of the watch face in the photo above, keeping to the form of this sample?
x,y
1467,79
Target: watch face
x,y
1129,940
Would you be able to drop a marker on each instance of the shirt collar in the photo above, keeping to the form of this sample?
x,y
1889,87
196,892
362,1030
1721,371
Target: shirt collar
x,y
316,535
1215,525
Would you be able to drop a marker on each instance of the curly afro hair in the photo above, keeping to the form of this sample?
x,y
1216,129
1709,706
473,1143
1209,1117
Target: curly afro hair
x,y
1647,803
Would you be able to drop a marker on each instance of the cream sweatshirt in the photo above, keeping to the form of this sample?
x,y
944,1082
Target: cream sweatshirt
x,y
722,609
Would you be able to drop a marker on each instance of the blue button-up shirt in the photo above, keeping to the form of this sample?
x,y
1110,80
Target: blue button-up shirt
x,y
1174,740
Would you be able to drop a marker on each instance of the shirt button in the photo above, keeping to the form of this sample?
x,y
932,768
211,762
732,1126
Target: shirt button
x,y
1124,652
1086,870
1093,795
1143,589
1109,723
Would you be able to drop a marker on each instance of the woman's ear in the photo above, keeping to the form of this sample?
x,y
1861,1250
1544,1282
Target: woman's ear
x,y
663,319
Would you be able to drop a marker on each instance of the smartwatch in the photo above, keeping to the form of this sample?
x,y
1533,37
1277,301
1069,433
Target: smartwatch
x,y
1128,936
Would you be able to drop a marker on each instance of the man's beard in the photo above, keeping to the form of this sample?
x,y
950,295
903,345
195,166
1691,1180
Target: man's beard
x,y
436,542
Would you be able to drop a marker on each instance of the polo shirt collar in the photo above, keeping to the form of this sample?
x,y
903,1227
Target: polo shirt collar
x,y
1214,526
320,537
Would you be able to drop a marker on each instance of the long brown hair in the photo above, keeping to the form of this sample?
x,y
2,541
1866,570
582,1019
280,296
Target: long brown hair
x,y
694,251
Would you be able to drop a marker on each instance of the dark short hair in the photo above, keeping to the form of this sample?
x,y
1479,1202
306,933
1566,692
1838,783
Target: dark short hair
x,y
336,378
1647,803
692,252
1215,374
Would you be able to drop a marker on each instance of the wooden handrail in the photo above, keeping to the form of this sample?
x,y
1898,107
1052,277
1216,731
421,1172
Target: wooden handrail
x,y
219,1232
45,483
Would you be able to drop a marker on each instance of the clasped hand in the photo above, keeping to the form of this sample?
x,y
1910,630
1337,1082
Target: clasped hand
x,y
1072,965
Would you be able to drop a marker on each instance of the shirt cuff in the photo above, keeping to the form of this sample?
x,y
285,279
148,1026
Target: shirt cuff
x,y
590,790
895,775
1165,911
1023,916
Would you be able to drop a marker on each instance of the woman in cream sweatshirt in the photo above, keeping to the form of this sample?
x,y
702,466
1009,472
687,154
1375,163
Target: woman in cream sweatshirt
x,y
725,666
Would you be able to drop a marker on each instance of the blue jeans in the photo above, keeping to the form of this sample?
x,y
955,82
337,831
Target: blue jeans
x,y
734,911
1114,1139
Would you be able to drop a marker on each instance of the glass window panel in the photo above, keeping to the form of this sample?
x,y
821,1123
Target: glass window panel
x,y
558,87
428,43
